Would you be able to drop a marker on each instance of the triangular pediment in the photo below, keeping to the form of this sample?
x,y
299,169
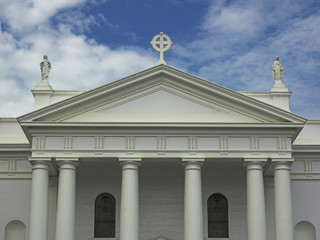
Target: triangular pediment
x,y
160,104
161,94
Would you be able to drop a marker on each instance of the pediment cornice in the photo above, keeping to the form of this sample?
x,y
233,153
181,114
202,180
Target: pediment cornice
x,y
173,81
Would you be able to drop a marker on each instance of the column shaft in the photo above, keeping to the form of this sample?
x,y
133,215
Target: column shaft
x,y
129,210
256,213
38,229
193,215
65,226
283,202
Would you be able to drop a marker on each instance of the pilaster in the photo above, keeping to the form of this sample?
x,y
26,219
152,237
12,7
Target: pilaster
x,y
65,225
129,209
256,209
38,225
283,200
193,212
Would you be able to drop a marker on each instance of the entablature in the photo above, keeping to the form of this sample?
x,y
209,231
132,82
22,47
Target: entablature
x,y
161,145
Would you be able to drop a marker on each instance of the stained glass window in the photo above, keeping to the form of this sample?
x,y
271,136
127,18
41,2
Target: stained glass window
x,y
218,216
105,216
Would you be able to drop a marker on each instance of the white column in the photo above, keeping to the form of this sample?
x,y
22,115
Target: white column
x,y
193,212
283,202
65,226
38,228
129,209
256,209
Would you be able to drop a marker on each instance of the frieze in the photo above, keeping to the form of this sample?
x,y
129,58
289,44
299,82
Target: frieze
x,y
251,145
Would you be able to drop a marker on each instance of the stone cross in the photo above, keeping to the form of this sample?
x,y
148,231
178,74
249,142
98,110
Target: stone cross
x,y
161,43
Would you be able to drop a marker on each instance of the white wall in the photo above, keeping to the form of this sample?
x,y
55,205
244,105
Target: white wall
x,y
228,177
161,183
15,202
306,196
95,177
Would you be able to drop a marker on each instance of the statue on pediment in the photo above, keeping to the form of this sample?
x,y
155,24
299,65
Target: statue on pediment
x,y
277,73
277,70
45,67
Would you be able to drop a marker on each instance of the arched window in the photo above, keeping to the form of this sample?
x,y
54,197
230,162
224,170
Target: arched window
x,y
218,216
304,231
15,230
105,216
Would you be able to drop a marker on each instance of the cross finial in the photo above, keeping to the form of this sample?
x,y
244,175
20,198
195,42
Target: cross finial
x,y
161,43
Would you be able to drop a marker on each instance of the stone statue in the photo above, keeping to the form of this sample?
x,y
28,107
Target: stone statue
x,y
277,73
277,70
45,67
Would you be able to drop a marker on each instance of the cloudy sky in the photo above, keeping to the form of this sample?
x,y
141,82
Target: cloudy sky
x,y
92,42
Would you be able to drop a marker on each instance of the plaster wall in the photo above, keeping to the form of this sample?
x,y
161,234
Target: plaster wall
x,y
161,186
11,132
15,202
161,197
93,178
305,201
228,177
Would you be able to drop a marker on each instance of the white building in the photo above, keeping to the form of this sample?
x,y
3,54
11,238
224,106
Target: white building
x,y
160,155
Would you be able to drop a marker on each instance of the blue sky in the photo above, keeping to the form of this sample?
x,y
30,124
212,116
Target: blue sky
x,y
91,43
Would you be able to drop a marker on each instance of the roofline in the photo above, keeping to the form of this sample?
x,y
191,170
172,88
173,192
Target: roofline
x,y
9,119
201,83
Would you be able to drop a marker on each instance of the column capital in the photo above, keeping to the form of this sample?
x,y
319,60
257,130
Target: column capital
x,y
263,160
39,159
193,159
133,165
39,163
67,163
254,163
282,160
67,159
281,165
192,163
129,159
130,162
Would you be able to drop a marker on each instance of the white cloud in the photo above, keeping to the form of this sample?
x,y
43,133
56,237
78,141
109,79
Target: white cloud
x,y
77,62
237,18
21,15
240,39
235,47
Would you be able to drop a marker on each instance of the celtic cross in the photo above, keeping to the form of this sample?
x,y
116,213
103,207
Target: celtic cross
x,y
161,43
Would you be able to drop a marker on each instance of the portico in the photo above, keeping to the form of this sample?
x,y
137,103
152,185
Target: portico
x,y
135,189
112,147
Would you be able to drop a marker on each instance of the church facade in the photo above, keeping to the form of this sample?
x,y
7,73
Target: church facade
x,y
160,155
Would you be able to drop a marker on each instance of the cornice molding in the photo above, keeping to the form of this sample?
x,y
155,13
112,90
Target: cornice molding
x,y
185,81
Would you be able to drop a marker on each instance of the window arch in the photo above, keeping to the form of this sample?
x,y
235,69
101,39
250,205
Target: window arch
x,y
15,230
304,231
218,225
105,216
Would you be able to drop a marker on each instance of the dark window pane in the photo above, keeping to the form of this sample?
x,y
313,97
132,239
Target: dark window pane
x,y
105,211
217,216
